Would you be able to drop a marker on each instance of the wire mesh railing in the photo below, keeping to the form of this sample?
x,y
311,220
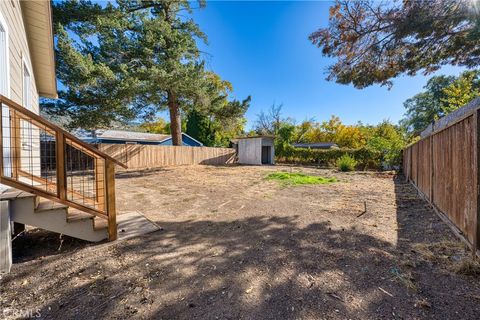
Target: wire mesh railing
x,y
39,157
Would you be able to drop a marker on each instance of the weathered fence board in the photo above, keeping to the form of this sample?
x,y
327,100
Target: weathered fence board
x,y
444,167
137,156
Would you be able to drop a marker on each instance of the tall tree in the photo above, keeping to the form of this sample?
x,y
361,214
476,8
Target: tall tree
x,y
426,106
217,122
173,69
375,41
199,126
442,95
269,122
461,91
126,60
98,86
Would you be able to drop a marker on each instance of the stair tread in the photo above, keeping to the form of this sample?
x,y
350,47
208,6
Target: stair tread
x,y
15,194
75,215
45,205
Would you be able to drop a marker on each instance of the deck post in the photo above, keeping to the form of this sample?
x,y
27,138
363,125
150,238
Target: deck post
x,y
61,172
110,194
16,141
476,180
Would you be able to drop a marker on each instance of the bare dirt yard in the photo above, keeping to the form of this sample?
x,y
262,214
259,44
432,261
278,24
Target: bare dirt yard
x,y
237,246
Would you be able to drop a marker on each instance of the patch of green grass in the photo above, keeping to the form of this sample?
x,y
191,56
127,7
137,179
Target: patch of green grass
x,y
295,179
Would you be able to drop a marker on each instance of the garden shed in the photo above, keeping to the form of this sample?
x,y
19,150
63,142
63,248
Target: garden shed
x,y
256,150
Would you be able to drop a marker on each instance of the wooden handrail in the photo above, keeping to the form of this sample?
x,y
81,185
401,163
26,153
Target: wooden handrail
x,y
101,204
36,117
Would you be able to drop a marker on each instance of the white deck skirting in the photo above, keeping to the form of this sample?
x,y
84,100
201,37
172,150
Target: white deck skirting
x,y
5,238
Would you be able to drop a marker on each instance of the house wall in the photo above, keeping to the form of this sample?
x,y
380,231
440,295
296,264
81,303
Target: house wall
x,y
19,59
186,141
250,151
11,12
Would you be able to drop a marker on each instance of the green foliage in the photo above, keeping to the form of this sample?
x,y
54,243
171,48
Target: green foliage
x,y
376,41
127,60
426,107
284,137
217,127
157,126
346,163
461,91
388,141
377,146
365,157
442,95
199,127
294,179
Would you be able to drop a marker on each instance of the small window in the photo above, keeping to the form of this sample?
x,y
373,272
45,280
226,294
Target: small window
x,y
3,60
27,134
27,89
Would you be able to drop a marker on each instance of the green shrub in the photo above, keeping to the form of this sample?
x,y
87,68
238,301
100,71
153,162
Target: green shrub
x,y
346,163
366,158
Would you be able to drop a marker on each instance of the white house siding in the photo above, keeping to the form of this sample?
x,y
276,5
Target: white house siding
x,y
19,52
18,57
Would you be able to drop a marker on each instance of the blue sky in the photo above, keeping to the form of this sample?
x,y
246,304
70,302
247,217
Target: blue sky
x,y
262,48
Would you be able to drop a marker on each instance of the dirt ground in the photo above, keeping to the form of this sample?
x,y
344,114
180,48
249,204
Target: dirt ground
x,y
236,246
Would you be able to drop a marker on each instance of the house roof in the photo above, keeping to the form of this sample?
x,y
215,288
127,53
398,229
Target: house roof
x,y
122,135
130,135
318,145
37,17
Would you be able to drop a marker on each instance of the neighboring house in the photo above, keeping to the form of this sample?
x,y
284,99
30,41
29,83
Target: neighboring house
x,y
132,137
316,145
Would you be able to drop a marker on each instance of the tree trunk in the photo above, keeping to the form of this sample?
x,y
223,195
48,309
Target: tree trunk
x,y
175,119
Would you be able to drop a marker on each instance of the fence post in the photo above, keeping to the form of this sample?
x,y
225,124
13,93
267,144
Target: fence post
x,y
432,170
476,179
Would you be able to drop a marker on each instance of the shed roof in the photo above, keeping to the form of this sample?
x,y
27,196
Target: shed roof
x,y
254,137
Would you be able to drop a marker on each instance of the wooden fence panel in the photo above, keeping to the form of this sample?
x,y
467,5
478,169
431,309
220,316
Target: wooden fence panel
x,y
414,160
454,165
444,168
137,156
424,167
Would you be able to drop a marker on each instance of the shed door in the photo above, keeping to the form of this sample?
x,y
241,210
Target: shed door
x,y
266,155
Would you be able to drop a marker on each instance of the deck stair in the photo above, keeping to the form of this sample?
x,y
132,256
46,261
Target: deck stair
x,y
33,210
60,183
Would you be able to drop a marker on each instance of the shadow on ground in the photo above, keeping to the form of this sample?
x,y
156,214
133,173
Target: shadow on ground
x,y
254,268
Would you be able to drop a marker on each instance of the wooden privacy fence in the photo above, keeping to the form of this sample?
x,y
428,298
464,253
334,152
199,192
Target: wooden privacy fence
x,y
138,156
444,166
